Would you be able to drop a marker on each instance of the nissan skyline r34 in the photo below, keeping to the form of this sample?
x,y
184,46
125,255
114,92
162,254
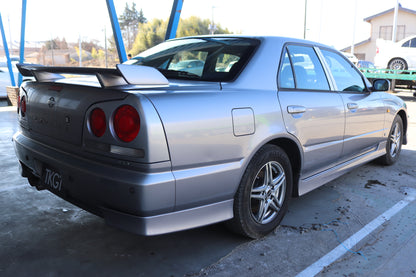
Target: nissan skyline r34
x,y
200,130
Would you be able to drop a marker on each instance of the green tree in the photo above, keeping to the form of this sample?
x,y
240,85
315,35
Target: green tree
x,y
142,19
153,33
129,22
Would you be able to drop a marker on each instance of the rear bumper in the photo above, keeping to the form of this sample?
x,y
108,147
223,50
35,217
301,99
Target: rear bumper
x,y
170,222
141,202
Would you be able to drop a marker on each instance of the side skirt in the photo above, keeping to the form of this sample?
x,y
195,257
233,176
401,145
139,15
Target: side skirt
x,y
317,180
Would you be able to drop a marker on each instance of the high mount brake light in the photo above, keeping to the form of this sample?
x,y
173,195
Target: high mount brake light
x,y
126,123
98,122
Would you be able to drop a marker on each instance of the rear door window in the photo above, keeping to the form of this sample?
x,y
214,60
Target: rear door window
x,y
301,69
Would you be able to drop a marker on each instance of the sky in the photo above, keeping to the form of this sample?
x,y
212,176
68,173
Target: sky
x,y
328,21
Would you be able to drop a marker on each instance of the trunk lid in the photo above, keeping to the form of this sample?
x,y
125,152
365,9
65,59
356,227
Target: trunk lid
x,y
57,110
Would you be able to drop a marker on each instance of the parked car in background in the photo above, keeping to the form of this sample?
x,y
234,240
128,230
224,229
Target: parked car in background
x,y
351,57
13,61
365,64
399,56
154,149
191,66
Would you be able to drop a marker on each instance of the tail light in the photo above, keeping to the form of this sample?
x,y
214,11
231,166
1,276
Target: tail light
x,y
377,50
126,123
97,122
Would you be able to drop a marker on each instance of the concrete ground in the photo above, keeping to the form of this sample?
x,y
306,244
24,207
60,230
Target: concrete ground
x,y
42,235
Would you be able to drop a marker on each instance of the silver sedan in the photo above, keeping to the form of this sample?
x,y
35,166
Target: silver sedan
x,y
154,149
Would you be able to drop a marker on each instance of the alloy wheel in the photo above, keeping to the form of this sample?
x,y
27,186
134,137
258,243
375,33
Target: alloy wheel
x,y
268,192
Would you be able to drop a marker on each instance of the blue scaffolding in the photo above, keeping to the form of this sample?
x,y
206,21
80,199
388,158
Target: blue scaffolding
x,y
170,33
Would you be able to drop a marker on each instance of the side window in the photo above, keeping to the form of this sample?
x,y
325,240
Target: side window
x,y
225,62
308,71
413,43
410,43
345,75
286,75
188,61
406,44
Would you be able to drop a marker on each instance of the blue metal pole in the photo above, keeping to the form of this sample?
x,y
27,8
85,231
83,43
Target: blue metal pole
x,y
6,51
116,31
174,19
22,38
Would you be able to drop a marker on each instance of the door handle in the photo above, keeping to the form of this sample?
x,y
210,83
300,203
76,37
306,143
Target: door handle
x,y
352,106
296,109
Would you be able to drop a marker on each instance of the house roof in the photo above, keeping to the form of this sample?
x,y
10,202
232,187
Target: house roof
x,y
368,19
357,44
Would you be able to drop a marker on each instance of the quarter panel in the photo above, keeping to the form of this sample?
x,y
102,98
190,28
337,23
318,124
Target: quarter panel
x,y
150,143
208,159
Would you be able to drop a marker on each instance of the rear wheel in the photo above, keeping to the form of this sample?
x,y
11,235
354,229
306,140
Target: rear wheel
x,y
398,64
262,197
394,142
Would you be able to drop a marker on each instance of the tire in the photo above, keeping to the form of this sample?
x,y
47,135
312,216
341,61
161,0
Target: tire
x,y
397,64
260,202
394,142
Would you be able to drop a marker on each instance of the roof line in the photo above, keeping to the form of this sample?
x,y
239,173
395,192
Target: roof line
x,y
368,19
357,44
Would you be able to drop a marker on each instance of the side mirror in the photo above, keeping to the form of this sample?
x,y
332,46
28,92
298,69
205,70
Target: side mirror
x,y
381,85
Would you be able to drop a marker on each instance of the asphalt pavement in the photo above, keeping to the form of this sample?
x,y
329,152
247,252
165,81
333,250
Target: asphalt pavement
x,y
42,235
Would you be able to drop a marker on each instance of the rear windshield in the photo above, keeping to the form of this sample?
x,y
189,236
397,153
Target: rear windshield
x,y
203,59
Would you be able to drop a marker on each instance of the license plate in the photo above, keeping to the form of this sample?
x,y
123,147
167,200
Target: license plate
x,y
52,178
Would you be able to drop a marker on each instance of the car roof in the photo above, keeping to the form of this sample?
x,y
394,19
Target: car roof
x,y
276,39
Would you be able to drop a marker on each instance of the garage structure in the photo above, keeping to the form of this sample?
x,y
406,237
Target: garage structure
x,y
170,33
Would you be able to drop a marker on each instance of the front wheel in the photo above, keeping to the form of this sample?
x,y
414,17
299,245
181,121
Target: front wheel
x,y
262,197
394,142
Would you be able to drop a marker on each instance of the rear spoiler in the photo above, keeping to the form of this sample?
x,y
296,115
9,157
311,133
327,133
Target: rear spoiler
x,y
108,77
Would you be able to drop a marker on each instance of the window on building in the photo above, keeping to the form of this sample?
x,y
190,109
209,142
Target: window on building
x,y
386,32
401,32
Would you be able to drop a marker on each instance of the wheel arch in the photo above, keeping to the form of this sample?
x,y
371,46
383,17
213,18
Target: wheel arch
x,y
293,152
403,116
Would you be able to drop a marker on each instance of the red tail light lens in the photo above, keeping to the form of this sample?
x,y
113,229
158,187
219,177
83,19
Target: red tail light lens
x,y
23,105
126,123
98,122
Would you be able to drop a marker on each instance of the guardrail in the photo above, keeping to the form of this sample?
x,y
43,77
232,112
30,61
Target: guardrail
x,y
373,73
405,78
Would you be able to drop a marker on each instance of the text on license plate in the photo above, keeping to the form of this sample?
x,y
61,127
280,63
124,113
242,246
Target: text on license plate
x,y
53,179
